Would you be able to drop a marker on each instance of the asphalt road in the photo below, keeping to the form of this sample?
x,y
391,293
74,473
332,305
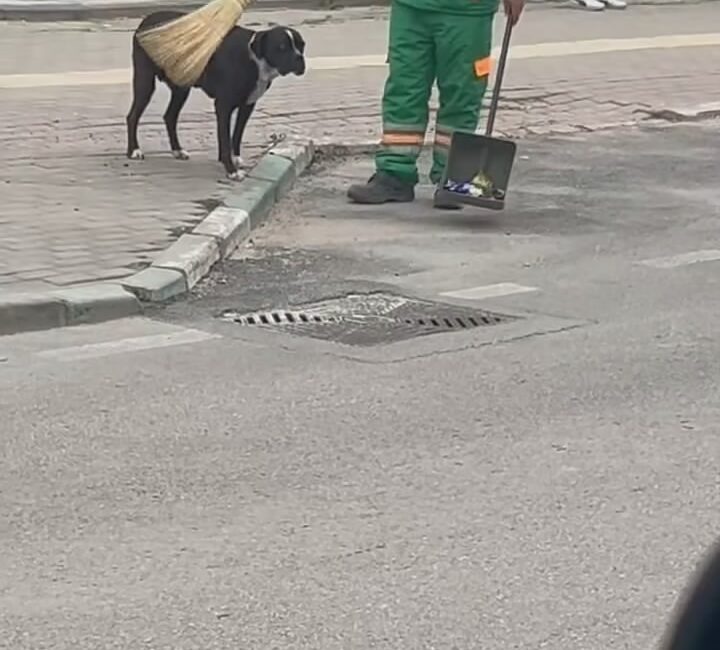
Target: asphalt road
x,y
178,482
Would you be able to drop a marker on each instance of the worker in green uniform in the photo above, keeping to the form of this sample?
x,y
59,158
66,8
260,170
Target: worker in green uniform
x,y
444,40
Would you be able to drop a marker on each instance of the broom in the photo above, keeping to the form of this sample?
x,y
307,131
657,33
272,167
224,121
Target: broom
x,y
183,46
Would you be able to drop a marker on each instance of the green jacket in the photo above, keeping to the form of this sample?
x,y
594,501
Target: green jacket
x,y
461,7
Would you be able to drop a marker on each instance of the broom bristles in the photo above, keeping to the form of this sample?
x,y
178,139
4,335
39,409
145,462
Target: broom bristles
x,y
183,47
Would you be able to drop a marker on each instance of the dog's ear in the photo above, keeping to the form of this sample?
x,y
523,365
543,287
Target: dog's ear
x,y
299,40
259,44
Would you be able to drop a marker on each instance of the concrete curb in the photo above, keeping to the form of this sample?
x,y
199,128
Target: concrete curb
x,y
176,270
50,10
92,303
179,268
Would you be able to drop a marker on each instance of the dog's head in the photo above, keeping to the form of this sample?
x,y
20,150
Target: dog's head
x,y
281,48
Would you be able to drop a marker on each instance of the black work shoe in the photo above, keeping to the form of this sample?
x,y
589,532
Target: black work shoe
x,y
442,203
382,188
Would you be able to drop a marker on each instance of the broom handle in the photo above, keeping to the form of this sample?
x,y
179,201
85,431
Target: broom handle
x,y
499,78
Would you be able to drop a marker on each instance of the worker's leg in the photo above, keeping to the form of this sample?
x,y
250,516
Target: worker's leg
x,y
411,59
407,92
463,67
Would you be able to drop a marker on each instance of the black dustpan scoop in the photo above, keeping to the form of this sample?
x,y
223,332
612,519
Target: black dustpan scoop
x,y
482,158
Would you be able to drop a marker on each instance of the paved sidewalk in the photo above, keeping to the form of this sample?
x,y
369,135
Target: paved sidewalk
x,y
75,210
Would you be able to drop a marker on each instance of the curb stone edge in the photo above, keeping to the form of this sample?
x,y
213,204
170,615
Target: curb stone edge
x,y
77,305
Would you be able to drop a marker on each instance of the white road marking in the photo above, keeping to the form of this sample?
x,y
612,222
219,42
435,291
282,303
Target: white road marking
x,y
682,259
116,76
489,291
122,346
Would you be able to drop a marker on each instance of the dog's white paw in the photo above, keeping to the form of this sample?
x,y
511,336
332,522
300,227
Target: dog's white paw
x,y
237,175
238,161
137,154
180,154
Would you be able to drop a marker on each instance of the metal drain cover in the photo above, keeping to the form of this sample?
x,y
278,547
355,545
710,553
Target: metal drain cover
x,y
369,319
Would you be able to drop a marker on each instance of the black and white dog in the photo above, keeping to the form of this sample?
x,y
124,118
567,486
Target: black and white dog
x,y
237,75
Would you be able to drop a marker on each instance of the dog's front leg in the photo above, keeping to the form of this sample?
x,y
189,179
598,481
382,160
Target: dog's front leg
x,y
223,112
243,115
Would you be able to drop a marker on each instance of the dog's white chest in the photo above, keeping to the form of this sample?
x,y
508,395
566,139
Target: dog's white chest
x,y
266,74
260,89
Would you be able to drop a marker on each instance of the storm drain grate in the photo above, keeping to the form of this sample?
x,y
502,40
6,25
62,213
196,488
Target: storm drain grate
x,y
283,318
369,319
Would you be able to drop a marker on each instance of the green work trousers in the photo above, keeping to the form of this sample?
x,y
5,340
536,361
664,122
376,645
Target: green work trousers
x,y
426,46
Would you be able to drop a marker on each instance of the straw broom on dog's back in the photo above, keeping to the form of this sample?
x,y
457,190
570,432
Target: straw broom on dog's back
x,y
183,47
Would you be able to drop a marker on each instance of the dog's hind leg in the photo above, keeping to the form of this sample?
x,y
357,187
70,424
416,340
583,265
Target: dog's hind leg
x,y
177,101
243,115
143,89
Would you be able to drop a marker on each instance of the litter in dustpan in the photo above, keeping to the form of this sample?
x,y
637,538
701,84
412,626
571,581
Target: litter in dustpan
x,y
479,186
478,166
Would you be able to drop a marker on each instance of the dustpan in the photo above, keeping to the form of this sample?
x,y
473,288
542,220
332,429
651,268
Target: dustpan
x,y
473,153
